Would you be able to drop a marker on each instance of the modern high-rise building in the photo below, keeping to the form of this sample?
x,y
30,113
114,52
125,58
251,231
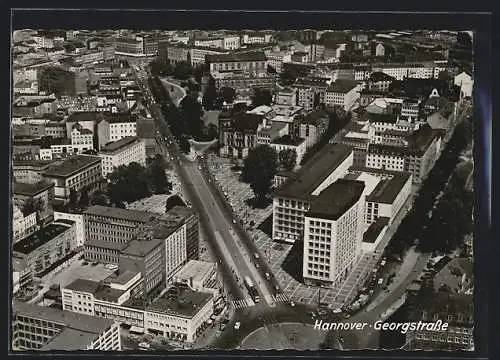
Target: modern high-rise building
x,y
43,328
333,232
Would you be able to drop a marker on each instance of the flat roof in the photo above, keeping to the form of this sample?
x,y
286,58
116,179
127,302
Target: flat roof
x,y
40,237
121,214
19,188
72,165
76,321
187,304
120,144
122,277
342,86
288,140
246,56
195,269
371,234
70,339
315,171
98,289
379,118
387,190
336,199
141,247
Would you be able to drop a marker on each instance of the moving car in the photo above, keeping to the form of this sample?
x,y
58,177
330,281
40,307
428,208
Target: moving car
x,y
256,255
268,276
144,345
237,325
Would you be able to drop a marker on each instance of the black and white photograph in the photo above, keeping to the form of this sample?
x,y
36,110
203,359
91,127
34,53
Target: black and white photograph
x,y
260,189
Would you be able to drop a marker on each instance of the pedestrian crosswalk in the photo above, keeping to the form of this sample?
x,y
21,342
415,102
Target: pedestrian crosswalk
x,y
280,297
242,303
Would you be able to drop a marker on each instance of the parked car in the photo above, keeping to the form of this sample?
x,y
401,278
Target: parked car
x,y
144,345
268,276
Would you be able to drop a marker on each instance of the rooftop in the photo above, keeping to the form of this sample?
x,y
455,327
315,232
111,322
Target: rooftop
x,y
342,86
71,320
381,76
187,304
379,118
121,214
386,191
288,140
314,117
371,234
70,339
122,277
303,183
120,144
30,189
195,269
246,56
336,199
98,289
40,237
72,165
141,247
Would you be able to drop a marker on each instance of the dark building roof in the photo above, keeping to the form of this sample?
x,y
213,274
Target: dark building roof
x,y
186,304
98,289
314,117
386,191
301,184
379,118
244,56
371,234
98,116
336,199
288,140
342,86
30,189
72,165
40,237
80,330
246,122
119,144
415,87
122,214
381,76
443,304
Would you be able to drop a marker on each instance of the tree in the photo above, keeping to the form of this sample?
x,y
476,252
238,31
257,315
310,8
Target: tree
x,y
191,113
288,159
227,94
158,179
128,184
99,198
84,200
184,145
73,198
259,169
262,96
58,81
288,77
174,200
183,70
160,68
32,205
210,95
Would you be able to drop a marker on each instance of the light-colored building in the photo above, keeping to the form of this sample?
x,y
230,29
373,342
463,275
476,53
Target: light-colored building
x,y
286,97
466,83
47,329
333,232
292,199
22,226
82,137
312,126
46,246
256,38
79,225
411,70
122,152
290,143
197,55
342,93
199,276
74,173
310,93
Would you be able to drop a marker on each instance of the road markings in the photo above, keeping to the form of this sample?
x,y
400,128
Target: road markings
x,y
242,303
281,297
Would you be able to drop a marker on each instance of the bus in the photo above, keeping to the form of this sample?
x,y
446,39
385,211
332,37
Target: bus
x,y
251,289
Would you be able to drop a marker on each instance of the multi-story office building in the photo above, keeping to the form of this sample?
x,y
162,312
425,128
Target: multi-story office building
x,y
46,246
238,134
407,70
113,127
288,142
254,63
197,54
416,156
343,93
108,229
22,226
41,194
256,38
129,46
29,170
181,316
312,126
77,218
286,97
293,198
43,328
231,42
81,137
74,173
122,152
310,93
186,215
174,53
333,232
457,310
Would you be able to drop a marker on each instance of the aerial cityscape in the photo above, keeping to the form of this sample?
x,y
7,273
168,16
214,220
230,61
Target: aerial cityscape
x,y
242,189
